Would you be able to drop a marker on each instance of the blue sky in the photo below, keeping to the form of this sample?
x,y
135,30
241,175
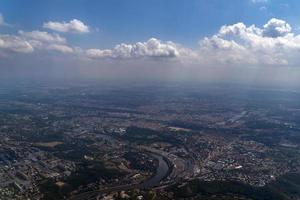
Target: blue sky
x,y
176,38
137,20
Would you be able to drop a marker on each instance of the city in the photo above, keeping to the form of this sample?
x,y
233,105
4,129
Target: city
x,y
84,142
149,100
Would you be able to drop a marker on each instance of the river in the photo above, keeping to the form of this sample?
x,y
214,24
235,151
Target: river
x,y
161,172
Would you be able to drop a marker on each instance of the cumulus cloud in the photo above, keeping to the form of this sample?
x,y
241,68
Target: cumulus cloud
x,y
151,48
238,44
15,44
43,36
46,41
28,42
276,28
73,26
61,48
273,44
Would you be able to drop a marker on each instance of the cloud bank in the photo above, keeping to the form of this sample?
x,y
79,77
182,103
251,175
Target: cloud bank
x,y
152,48
273,44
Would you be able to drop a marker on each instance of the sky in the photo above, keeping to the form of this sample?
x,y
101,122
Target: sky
x,y
247,40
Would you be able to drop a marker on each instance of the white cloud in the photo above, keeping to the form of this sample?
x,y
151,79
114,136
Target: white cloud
x,y
151,48
15,44
61,48
46,41
98,53
28,42
238,44
73,26
43,36
273,44
276,28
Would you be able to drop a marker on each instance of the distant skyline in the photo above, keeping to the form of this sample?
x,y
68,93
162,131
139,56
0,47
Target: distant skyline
x,y
183,36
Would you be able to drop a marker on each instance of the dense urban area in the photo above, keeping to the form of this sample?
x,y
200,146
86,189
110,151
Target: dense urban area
x,y
148,141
